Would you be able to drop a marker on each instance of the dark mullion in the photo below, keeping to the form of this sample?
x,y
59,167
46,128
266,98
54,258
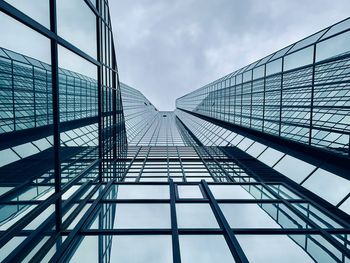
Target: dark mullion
x,y
99,93
56,114
312,93
174,227
231,240
21,251
70,243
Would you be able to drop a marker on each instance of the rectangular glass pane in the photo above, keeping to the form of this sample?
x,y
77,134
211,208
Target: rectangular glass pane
x,y
204,249
195,216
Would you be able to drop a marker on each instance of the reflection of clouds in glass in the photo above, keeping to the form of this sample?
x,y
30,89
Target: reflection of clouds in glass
x,y
195,216
87,251
69,60
247,216
329,186
36,9
22,39
77,27
204,249
148,248
271,249
142,216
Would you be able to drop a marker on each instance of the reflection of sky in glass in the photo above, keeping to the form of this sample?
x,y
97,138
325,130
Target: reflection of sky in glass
x,y
272,249
204,249
329,186
36,9
195,216
77,27
69,60
247,216
142,216
36,46
131,249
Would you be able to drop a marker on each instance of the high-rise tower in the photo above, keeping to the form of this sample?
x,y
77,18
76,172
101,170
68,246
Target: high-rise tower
x,y
253,167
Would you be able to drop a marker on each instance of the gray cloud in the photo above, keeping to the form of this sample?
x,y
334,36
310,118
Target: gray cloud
x,y
169,48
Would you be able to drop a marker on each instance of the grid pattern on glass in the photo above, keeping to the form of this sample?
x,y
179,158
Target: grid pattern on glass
x,y
145,125
300,94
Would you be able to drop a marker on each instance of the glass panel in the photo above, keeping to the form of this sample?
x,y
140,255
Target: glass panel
x,y
270,156
195,216
87,251
274,67
327,185
247,76
281,52
79,28
247,216
261,215
272,248
334,46
36,46
145,248
294,168
70,61
204,249
189,191
256,149
337,28
298,59
143,192
258,72
142,216
307,41
35,9
229,192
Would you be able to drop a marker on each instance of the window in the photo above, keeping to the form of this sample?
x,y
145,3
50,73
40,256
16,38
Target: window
x,y
204,249
195,216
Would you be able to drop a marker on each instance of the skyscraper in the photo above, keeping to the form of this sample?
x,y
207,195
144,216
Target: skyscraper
x,y
252,167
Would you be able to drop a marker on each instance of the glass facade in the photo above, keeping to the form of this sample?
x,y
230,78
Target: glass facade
x,y
91,171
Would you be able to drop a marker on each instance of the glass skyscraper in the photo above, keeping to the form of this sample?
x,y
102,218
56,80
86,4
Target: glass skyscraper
x,y
253,167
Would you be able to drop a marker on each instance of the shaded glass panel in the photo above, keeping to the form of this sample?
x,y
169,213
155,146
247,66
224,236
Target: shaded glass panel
x,y
335,46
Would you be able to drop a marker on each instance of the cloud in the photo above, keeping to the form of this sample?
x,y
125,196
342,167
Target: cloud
x,y
169,48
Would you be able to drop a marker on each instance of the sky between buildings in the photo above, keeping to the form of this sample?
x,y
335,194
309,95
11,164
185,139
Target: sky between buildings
x,y
167,48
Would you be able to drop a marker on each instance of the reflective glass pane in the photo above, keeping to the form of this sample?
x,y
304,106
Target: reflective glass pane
x,y
145,248
272,248
142,216
79,28
143,192
298,59
270,156
334,46
274,67
195,216
229,192
189,191
327,185
204,249
35,9
248,216
294,168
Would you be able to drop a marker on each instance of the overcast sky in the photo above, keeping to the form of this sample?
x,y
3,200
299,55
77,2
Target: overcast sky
x,y
167,48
